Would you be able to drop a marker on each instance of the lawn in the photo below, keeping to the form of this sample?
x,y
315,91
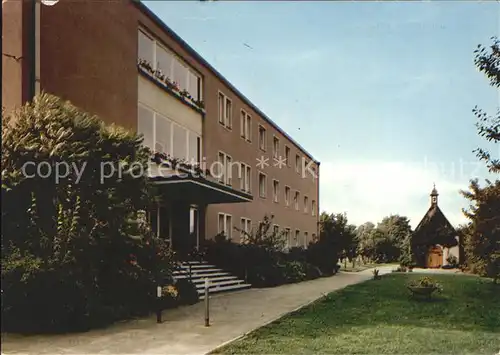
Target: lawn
x,y
379,317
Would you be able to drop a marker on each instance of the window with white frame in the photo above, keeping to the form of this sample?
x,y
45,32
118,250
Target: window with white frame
x,y
225,111
262,138
276,147
306,236
297,163
296,200
297,238
165,136
313,207
313,172
288,237
229,170
276,190
225,224
276,229
170,65
245,125
306,202
287,155
225,168
287,195
245,228
245,177
262,184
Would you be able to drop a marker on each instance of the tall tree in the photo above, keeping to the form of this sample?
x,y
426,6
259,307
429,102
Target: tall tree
x,y
482,237
365,240
336,231
488,62
389,236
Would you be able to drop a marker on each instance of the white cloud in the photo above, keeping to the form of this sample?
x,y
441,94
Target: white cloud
x,y
369,191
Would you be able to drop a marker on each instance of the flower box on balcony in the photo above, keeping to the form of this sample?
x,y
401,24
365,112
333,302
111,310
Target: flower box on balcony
x,y
170,86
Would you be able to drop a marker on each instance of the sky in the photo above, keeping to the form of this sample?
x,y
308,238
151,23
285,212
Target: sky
x,y
381,93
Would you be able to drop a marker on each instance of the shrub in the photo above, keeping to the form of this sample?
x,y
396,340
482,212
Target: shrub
x,y
312,272
295,271
452,261
321,256
187,292
260,259
75,252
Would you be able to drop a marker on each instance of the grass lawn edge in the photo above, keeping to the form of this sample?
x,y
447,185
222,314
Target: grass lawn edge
x,y
278,317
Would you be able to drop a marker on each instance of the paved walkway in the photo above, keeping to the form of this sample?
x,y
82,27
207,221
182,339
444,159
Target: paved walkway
x,y
183,330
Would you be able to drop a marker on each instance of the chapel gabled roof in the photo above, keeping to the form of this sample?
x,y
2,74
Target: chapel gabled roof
x,y
434,228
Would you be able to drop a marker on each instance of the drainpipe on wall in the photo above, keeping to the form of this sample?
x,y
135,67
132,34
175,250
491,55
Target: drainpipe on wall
x,y
1,49
32,50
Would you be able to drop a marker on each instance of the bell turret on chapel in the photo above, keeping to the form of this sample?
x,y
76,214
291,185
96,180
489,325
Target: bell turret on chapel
x,y
434,196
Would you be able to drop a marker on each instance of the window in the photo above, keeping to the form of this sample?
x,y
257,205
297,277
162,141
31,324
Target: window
x,y
287,195
225,111
287,155
146,126
170,65
262,138
296,200
297,163
276,229
162,135
225,224
245,228
288,237
313,237
262,184
222,101
180,142
245,177
229,113
193,149
297,238
276,147
245,126
276,190
306,237
313,173
306,201
145,47
225,168
313,207
164,61
248,128
229,170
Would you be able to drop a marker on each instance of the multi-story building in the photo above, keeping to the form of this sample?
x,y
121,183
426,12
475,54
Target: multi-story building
x,y
118,60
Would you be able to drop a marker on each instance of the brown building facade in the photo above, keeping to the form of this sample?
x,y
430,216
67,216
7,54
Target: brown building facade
x,y
118,60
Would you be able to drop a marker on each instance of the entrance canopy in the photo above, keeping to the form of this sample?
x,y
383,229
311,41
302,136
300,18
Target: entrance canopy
x,y
185,186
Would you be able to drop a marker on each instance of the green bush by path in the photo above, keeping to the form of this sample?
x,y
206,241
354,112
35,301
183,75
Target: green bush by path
x,y
76,253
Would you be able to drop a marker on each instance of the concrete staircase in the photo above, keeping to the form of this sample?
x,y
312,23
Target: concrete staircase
x,y
220,280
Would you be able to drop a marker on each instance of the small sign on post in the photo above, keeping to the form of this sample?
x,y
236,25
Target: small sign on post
x,y
158,301
207,313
